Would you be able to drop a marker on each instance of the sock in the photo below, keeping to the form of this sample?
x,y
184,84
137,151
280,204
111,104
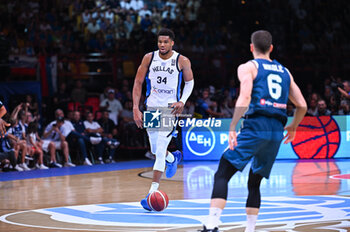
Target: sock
x,y
251,221
170,157
154,187
214,218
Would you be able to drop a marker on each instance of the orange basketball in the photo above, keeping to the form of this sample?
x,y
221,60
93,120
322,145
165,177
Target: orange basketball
x,y
158,200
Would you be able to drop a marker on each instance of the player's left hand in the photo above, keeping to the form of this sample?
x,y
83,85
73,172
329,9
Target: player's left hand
x,y
232,140
178,107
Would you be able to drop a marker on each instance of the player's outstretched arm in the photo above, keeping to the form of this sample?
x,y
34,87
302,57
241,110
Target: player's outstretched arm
x,y
246,77
137,89
185,65
298,100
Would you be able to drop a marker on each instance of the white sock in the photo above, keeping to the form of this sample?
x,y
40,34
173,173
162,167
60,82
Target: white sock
x,y
251,221
154,187
170,157
214,218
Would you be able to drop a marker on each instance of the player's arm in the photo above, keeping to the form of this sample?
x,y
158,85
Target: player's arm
x,y
298,100
344,93
137,89
246,77
185,65
3,110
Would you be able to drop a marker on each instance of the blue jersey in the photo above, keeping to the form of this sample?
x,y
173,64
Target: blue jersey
x,y
270,90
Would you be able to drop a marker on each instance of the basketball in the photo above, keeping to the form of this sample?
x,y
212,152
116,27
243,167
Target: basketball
x,y
317,137
158,200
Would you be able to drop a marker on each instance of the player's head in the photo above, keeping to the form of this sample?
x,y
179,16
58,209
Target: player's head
x,y
90,117
261,42
165,40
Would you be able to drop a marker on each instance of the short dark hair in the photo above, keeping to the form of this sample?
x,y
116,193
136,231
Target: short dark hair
x,y
262,40
166,32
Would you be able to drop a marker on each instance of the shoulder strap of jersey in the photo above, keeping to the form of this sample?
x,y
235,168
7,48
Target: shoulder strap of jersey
x,y
255,63
177,62
150,62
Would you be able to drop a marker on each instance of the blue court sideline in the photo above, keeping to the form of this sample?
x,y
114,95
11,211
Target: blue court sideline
x,y
9,176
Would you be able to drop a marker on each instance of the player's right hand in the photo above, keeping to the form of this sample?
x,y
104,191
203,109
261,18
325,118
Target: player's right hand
x,y
232,140
138,118
3,126
291,130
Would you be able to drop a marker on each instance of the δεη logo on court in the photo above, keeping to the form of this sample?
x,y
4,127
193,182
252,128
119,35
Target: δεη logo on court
x,y
151,119
200,141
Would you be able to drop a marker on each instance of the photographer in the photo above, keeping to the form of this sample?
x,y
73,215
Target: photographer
x,y
345,90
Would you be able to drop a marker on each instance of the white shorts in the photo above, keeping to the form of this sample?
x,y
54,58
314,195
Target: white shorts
x,y
161,137
47,142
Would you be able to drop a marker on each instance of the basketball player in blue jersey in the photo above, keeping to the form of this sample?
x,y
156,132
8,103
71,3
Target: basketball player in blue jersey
x,y
265,88
163,71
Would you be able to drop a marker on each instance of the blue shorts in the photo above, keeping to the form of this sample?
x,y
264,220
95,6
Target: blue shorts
x,y
259,138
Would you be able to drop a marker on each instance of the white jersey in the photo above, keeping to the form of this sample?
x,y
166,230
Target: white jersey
x,y
163,81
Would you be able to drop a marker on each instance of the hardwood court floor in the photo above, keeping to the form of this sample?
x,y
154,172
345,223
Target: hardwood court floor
x,y
122,182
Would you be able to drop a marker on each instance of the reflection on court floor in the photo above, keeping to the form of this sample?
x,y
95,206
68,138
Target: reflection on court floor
x,y
277,214
300,196
287,178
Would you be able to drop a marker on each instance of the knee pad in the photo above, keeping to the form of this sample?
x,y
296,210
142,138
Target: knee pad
x,y
254,197
221,178
160,153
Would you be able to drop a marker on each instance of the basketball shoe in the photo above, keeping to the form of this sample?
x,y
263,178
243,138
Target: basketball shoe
x,y
209,230
172,167
144,203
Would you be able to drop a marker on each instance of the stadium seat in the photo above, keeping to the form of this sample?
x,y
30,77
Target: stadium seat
x,y
93,102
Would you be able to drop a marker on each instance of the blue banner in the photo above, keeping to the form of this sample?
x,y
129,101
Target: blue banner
x,y
316,138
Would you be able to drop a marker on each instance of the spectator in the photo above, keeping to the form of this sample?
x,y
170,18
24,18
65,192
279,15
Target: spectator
x,y
136,4
344,108
32,105
17,135
312,109
112,105
6,153
93,129
79,92
82,140
203,109
322,108
71,136
146,22
129,25
55,140
145,11
168,13
345,92
86,16
108,126
93,27
155,16
35,145
125,4
109,15
226,108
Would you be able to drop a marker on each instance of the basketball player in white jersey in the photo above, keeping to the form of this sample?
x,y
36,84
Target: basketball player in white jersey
x,y
163,70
